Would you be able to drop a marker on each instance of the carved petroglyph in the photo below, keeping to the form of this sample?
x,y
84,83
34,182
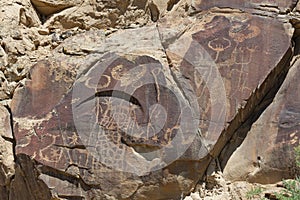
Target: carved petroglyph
x,y
50,153
73,139
127,76
219,45
241,54
105,84
135,112
129,105
232,43
155,73
241,32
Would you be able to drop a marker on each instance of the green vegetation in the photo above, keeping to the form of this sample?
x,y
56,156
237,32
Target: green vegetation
x,y
292,191
297,155
254,193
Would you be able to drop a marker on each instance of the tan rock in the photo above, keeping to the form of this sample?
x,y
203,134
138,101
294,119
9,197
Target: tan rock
x,y
13,14
48,7
16,41
128,188
100,15
5,128
3,58
6,160
7,164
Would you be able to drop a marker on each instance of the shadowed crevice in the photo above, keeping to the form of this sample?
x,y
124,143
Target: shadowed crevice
x,y
13,139
113,93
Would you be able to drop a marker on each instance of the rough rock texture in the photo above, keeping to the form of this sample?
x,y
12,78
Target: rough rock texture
x,y
217,188
221,64
27,36
46,7
143,99
93,14
228,43
255,6
25,183
20,44
266,155
64,146
7,169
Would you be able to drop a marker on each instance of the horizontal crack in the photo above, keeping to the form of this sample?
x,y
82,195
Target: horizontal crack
x,y
113,93
8,139
71,147
72,197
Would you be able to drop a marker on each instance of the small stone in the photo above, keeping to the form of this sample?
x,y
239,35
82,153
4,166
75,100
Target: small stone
x,y
43,31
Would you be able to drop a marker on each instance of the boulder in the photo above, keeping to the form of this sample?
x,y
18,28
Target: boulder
x,y
100,15
48,7
7,168
5,129
267,153
229,68
123,156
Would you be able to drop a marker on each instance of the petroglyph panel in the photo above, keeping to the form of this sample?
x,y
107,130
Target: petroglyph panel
x,y
244,50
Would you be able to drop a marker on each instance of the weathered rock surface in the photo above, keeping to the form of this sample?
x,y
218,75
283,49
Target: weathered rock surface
x,y
101,14
267,154
229,45
221,64
47,7
7,168
217,188
58,133
102,106
66,147
255,6
27,36
19,43
25,183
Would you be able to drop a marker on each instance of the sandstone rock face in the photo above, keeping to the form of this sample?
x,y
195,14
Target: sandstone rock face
x,y
5,129
131,75
94,14
66,144
49,7
234,53
102,14
266,155
26,184
221,64
252,5
143,99
7,169
19,41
